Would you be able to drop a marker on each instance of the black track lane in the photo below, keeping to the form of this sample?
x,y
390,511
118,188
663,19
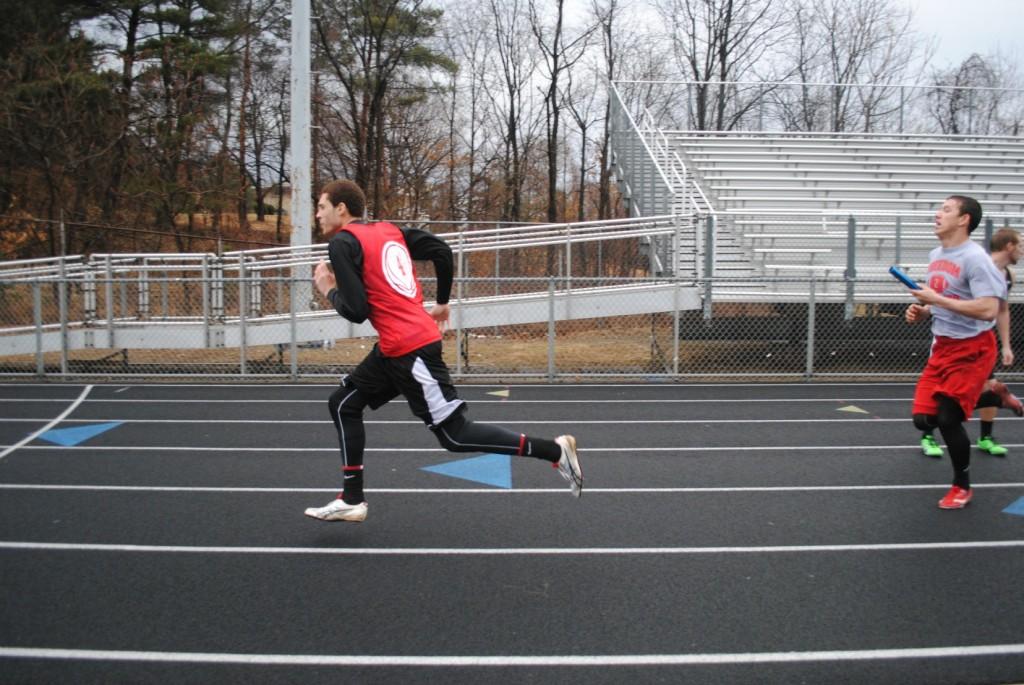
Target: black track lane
x,y
726,602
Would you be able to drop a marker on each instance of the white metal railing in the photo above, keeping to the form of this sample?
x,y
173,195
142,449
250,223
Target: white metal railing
x,y
462,242
655,179
116,290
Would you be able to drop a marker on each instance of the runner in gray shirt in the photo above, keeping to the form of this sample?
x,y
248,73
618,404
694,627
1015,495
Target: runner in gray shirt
x,y
963,295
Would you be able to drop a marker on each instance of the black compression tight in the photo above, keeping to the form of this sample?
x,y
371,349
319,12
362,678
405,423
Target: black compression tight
x,y
346,405
950,422
456,434
459,434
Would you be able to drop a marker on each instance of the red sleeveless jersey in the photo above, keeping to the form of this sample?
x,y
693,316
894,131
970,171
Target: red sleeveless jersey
x,y
392,290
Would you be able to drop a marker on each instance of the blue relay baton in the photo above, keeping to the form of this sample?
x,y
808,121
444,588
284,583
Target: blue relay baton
x,y
904,278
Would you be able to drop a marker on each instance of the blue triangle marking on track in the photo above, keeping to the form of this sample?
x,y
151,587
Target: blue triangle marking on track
x,y
1017,508
490,469
69,437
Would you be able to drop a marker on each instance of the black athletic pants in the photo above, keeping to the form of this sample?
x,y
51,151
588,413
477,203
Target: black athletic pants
x,y
422,378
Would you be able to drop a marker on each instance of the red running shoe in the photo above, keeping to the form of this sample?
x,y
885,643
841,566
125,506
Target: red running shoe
x,y
1008,399
956,498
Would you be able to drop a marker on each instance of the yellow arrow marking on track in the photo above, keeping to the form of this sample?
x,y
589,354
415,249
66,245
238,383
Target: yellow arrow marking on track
x,y
499,393
852,409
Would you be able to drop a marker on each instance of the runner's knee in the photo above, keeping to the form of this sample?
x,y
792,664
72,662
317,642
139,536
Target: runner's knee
x,y
449,432
342,402
924,422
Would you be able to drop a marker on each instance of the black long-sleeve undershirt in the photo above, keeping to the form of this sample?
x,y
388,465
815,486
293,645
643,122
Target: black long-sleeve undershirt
x,y
346,255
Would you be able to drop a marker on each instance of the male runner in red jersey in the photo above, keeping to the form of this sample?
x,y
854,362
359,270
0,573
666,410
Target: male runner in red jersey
x,y
371,276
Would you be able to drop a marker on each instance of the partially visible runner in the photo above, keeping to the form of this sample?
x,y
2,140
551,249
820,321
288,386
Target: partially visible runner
x,y
371,276
963,296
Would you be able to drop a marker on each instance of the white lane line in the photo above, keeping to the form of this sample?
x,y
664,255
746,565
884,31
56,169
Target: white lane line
x,y
505,551
524,386
51,424
416,422
744,400
499,491
426,450
459,661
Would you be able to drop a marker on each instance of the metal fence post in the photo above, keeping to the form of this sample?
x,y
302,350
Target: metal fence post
x,y
497,271
165,285
675,326
809,366
760,107
689,104
652,255
89,296
497,278
143,294
551,328
243,306
568,257
108,292
709,264
122,291
62,297
970,112
851,265
677,245
458,299
988,235
903,104
204,289
280,289
256,294
37,315
62,303
217,288
293,351
898,257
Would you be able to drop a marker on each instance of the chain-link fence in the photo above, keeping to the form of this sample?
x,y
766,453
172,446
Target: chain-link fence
x,y
260,326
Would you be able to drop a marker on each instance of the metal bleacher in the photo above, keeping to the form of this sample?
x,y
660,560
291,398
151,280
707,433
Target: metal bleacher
x,y
789,206
745,171
790,195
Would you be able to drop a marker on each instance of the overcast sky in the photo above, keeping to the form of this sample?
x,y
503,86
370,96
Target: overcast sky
x,y
965,26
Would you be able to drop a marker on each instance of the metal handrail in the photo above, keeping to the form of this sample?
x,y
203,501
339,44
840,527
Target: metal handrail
x,y
532,235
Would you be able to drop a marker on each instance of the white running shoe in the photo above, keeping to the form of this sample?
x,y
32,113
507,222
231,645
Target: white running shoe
x,y
338,510
569,464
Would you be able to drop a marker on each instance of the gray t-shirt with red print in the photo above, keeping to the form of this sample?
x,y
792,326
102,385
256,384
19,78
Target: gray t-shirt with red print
x,y
964,272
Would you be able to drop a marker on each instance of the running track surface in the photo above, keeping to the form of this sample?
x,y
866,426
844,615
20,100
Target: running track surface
x,y
727,534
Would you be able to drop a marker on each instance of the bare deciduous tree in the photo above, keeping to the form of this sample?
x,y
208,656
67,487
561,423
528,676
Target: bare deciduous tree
x,y
560,51
370,45
718,43
509,99
981,95
851,58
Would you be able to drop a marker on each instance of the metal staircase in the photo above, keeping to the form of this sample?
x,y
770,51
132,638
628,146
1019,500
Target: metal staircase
x,y
655,179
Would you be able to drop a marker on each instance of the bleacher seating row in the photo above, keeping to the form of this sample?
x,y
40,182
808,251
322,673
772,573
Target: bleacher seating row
x,y
787,196
745,171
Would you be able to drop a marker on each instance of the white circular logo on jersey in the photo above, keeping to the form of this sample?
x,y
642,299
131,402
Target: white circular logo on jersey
x,y
398,268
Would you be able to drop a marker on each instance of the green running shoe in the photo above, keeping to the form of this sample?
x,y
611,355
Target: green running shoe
x,y
987,444
930,447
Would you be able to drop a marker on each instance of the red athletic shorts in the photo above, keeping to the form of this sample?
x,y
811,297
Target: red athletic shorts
x,y
957,369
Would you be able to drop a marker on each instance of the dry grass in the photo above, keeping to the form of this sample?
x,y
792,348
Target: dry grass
x,y
595,348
